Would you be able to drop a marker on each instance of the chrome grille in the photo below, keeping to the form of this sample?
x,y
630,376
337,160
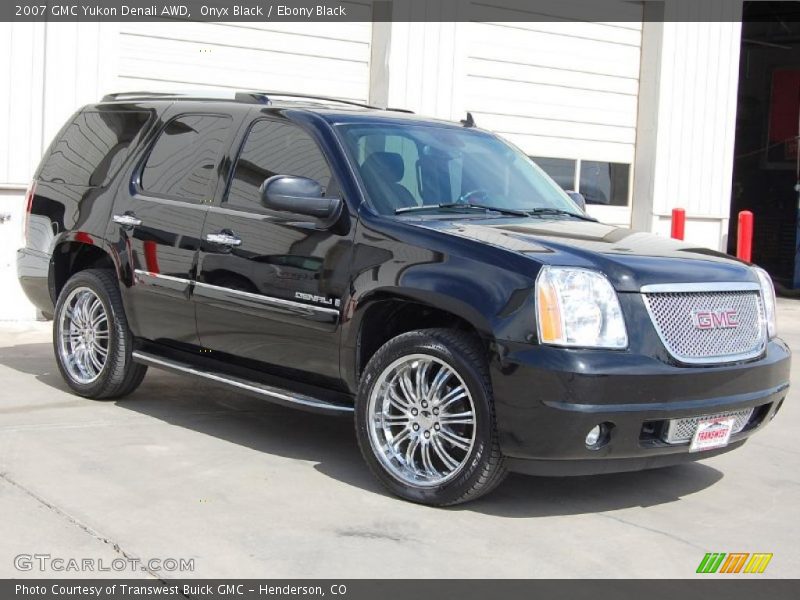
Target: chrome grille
x,y
675,314
682,430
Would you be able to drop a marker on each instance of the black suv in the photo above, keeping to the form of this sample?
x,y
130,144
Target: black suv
x,y
424,275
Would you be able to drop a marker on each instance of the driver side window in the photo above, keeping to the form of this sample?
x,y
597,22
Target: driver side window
x,y
390,162
273,148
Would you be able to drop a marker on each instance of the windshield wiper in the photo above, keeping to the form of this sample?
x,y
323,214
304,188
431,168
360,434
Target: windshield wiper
x,y
558,211
447,205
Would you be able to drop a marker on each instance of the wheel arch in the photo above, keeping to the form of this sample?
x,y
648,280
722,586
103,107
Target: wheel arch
x,y
387,313
73,253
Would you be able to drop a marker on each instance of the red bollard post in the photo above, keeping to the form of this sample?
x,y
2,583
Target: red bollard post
x,y
678,223
744,238
151,256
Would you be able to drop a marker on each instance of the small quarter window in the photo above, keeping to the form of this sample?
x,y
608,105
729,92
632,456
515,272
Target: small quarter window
x,y
183,162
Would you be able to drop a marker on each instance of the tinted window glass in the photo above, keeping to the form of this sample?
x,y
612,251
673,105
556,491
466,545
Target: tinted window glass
x,y
605,183
275,149
183,161
562,170
376,146
407,166
92,147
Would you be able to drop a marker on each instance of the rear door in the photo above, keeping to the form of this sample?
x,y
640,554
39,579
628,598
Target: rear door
x,y
269,290
158,222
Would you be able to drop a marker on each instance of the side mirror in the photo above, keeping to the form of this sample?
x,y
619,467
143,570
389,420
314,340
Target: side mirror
x,y
300,199
578,199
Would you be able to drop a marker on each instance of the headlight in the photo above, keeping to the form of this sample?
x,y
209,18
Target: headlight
x,y
768,294
578,307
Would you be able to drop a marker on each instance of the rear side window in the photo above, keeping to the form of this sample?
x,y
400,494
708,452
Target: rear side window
x,y
184,159
92,147
273,148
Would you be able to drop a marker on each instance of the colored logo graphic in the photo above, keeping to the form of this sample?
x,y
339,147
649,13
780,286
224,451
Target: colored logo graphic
x,y
726,318
734,562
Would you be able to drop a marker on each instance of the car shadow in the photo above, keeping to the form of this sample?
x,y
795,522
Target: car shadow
x,y
523,496
34,359
330,443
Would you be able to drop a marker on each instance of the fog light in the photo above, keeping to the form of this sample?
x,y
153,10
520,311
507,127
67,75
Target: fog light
x,y
599,435
594,435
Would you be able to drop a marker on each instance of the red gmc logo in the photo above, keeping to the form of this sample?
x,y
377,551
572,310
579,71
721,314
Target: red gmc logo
x,y
725,318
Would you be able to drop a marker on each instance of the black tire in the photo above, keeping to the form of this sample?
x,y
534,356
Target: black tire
x,y
483,469
120,375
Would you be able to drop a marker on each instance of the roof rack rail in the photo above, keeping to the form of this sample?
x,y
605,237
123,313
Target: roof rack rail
x,y
257,96
264,98
139,95
126,95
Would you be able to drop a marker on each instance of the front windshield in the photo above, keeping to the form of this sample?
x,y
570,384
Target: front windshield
x,y
409,166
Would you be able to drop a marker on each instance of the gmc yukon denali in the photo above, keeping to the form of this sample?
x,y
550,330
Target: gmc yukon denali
x,y
424,277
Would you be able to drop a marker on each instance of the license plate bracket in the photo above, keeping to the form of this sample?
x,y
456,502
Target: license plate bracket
x,y
712,433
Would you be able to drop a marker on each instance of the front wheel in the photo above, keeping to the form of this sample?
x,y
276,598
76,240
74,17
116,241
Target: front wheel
x,y
92,342
425,418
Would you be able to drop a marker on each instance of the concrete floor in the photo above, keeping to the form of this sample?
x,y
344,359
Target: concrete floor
x,y
182,469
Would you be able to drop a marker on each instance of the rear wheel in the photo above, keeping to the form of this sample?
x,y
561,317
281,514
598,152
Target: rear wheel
x,y
425,418
92,342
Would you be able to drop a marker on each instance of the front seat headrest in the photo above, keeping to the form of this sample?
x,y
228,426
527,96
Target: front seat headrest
x,y
388,164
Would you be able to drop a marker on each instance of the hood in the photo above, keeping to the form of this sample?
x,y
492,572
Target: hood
x,y
630,259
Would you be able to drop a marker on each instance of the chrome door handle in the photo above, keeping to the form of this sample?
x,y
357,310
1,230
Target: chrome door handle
x,y
224,239
127,220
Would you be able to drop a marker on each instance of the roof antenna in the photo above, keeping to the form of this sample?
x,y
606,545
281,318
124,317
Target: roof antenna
x,y
469,121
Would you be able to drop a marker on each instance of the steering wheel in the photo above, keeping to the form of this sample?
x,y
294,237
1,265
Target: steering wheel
x,y
476,194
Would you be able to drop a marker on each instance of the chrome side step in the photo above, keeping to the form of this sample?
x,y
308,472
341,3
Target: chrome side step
x,y
273,394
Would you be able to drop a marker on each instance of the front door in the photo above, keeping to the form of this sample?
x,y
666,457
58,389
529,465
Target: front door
x,y
269,290
157,222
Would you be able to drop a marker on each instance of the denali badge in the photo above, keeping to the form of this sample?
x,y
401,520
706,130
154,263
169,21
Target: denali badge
x,y
317,299
724,318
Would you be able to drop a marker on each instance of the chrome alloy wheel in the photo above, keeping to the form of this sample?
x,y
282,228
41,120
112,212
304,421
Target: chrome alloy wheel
x,y
83,335
421,420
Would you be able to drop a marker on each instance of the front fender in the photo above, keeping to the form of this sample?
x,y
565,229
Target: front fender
x,y
496,302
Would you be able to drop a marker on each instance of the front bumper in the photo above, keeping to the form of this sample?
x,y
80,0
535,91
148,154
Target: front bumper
x,y
547,399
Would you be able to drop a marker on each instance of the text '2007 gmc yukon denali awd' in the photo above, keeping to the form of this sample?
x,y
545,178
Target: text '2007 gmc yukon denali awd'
x,y
423,275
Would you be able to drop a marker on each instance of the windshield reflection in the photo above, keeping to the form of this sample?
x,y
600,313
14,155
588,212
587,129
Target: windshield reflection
x,y
404,167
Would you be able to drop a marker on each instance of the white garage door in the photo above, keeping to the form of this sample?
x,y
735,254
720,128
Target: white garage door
x,y
314,58
566,93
